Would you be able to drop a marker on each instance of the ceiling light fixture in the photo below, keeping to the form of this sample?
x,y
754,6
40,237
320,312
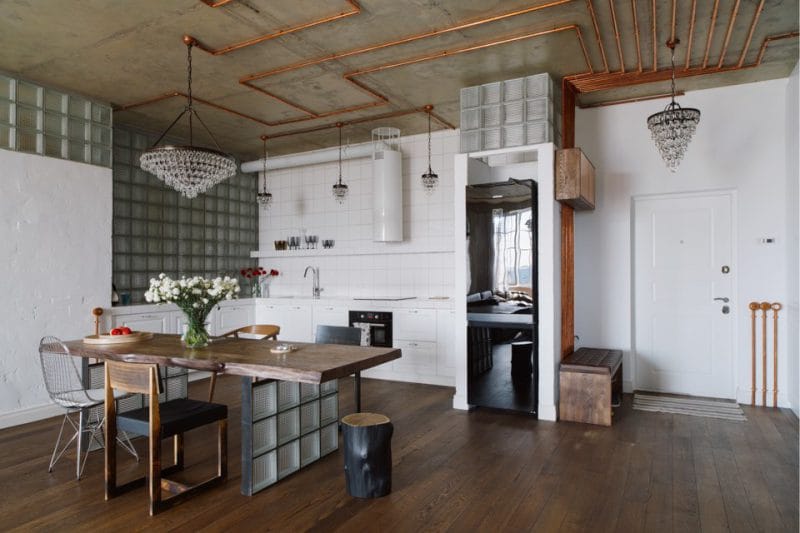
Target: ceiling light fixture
x,y
429,179
190,170
339,188
264,197
673,128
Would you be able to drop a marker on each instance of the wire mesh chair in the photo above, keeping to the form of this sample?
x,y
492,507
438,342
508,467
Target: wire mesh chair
x,y
65,388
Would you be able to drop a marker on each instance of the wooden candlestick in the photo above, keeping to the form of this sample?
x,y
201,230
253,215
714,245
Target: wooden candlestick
x,y
97,312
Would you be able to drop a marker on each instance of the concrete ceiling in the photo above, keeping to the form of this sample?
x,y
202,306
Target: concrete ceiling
x,y
130,52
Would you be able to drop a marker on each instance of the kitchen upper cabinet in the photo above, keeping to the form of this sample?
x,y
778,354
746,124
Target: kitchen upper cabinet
x,y
445,342
295,320
574,179
233,317
153,322
330,315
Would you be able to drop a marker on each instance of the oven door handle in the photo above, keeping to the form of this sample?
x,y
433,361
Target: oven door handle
x,y
373,325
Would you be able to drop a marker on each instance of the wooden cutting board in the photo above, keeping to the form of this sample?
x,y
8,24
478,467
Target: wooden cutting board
x,y
133,336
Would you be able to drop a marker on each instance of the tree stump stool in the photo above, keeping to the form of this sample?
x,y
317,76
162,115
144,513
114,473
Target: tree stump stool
x,y
521,363
367,454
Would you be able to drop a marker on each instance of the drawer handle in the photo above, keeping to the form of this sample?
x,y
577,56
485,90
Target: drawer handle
x,y
412,344
150,316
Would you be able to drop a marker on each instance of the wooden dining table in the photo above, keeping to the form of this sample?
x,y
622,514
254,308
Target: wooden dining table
x,y
279,391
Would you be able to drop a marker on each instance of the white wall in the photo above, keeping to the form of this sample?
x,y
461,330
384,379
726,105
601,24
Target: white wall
x,y
419,266
55,223
739,145
792,313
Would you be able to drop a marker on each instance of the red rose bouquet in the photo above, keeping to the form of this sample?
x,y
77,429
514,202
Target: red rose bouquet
x,y
259,280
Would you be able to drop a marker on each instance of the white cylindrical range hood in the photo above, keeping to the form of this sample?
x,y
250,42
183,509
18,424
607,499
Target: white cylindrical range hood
x,y
387,186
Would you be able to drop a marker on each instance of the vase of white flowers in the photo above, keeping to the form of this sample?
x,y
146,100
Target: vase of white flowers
x,y
196,297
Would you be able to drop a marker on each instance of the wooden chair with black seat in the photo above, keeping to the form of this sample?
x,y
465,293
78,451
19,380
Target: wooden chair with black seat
x,y
264,331
158,421
346,336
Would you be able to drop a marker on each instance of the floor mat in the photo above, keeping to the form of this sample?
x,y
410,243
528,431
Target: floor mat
x,y
725,409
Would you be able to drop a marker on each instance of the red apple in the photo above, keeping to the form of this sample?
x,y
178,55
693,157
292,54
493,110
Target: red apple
x,y
116,331
125,330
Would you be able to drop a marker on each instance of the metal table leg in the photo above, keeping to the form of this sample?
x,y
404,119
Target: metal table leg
x,y
358,391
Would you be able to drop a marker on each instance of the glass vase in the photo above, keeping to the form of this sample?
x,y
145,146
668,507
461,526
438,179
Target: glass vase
x,y
255,289
195,333
264,288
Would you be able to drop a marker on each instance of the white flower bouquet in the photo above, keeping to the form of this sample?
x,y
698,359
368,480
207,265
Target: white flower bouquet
x,y
196,297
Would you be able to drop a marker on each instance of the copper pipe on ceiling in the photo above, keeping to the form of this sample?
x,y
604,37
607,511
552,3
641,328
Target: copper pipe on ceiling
x,y
590,7
691,34
382,100
148,101
772,38
472,48
218,3
750,33
655,39
355,9
599,82
311,115
636,34
710,32
305,110
630,100
728,33
616,35
392,114
403,40
674,13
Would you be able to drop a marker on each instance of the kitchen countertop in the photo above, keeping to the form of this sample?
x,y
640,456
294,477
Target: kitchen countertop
x,y
339,301
364,304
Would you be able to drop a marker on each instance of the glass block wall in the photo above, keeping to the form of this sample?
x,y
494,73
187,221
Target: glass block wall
x,y
43,121
158,230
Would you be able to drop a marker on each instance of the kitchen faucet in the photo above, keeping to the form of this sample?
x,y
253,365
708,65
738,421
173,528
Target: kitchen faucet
x,y
315,289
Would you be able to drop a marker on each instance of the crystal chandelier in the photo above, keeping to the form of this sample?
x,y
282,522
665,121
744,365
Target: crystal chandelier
x,y
429,179
264,197
673,128
339,188
190,170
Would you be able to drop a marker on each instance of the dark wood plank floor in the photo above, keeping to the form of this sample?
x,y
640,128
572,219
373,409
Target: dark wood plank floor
x,y
456,471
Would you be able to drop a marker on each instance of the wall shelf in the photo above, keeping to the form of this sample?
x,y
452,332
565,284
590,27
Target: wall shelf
x,y
339,252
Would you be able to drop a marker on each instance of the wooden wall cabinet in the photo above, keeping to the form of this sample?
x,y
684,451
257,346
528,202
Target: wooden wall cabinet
x,y
574,179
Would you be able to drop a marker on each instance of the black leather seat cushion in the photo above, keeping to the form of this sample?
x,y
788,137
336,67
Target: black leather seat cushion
x,y
177,416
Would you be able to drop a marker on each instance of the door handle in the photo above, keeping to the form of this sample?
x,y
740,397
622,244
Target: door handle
x,y
724,299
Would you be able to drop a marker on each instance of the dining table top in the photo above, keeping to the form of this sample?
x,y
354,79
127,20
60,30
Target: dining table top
x,y
307,363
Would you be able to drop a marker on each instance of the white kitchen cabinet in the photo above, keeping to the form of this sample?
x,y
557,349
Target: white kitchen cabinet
x,y
295,320
415,324
179,321
330,315
419,358
445,343
234,317
154,322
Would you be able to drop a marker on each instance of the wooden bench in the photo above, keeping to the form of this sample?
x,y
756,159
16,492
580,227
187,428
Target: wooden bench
x,y
588,380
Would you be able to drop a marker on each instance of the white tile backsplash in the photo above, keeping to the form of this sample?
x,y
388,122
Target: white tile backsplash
x,y
421,265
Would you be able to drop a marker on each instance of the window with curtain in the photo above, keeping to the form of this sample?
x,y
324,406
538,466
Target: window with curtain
x,y
512,246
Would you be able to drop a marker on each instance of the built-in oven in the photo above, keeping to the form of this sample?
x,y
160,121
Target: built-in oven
x,y
375,325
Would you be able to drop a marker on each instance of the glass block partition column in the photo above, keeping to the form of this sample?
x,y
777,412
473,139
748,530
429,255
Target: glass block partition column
x,y
39,120
158,230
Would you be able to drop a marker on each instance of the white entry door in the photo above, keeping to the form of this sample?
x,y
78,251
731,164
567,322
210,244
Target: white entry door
x,y
683,260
